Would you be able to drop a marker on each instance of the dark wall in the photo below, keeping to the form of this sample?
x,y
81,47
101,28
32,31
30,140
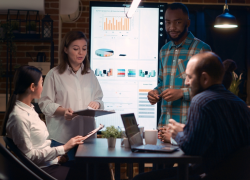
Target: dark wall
x,y
227,43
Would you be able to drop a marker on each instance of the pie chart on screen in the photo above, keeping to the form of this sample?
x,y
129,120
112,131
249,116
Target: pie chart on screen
x,y
104,52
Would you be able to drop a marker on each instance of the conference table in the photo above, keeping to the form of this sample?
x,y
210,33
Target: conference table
x,y
97,151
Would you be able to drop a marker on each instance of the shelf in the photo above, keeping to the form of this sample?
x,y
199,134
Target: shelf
x,y
4,76
32,40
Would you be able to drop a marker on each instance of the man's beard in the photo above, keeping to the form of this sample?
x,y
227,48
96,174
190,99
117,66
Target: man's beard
x,y
180,36
196,89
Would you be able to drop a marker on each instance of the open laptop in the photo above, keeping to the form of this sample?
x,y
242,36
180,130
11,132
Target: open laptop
x,y
135,139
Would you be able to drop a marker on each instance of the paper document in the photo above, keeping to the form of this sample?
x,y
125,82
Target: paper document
x,y
90,107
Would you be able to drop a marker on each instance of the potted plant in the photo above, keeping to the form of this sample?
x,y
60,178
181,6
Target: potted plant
x,y
234,87
111,133
15,27
31,27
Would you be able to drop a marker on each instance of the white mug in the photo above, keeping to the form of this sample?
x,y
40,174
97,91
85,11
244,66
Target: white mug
x,y
125,143
141,131
151,136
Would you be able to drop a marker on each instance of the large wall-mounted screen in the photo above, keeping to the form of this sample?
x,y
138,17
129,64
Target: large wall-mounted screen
x,y
124,56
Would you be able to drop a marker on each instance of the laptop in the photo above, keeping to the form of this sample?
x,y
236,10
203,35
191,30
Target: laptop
x,y
135,138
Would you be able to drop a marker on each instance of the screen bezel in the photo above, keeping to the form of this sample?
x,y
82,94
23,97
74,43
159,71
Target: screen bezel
x,y
138,130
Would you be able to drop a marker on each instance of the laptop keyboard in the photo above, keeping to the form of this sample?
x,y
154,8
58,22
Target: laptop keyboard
x,y
153,147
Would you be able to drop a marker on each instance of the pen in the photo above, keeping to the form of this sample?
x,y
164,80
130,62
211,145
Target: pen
x,y
120,128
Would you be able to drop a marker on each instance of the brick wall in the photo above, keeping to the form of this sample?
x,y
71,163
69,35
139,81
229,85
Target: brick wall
x,y
83,22
52,8
27,49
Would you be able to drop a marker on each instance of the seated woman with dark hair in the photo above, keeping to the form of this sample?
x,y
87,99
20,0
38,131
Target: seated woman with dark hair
x,y
230,66
23,125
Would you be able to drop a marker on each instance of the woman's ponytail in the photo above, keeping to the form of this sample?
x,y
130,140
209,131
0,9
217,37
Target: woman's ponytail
x,y
9,109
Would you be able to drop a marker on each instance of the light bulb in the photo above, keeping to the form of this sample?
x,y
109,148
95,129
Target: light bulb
x,y
132,8
226,26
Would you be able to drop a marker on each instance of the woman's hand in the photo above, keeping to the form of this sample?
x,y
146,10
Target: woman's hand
x,y
94,105
73,142
68,114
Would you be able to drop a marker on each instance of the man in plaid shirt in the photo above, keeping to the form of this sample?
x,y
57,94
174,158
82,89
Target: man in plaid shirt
x,y
174,57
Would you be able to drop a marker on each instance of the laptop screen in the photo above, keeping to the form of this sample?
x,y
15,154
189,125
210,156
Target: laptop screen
x,y
132,130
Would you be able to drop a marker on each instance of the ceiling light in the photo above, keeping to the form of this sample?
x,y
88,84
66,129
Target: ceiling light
x,y
132,8
225,20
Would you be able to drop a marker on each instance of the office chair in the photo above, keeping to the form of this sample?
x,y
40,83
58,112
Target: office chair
x,y
237,166
26,161
12,168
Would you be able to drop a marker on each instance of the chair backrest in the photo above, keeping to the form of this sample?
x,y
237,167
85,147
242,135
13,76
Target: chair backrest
x,y
12,168
26,161
237,166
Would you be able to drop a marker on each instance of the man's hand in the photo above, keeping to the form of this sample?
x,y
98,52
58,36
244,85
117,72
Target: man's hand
x,y
153,96
172,94
175,127
164,135
68,114
94,105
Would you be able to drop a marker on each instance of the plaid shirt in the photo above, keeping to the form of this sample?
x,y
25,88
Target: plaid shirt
x,y
172,66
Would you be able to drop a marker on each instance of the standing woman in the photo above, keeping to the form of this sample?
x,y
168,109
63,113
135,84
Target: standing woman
x,y
69,87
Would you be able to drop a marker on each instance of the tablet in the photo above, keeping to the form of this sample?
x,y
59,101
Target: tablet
x,y
93,132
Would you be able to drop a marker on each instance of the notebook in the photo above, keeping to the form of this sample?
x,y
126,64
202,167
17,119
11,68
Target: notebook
x,y
135,139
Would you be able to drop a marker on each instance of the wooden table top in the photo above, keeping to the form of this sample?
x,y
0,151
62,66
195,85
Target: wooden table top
x,y
98,151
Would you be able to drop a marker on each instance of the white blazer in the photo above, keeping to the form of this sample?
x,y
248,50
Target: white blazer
x,y
69,90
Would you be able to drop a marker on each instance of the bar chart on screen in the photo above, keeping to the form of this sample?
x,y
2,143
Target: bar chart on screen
x,y
116,23
124,63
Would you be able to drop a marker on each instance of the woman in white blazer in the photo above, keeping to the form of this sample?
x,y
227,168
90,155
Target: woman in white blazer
x,y
69,87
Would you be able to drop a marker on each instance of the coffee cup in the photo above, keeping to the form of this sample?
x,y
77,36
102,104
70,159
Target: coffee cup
x,y
141,131
151,136
125,143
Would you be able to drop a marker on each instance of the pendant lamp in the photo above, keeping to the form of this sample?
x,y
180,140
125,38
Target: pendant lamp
x,y
225,20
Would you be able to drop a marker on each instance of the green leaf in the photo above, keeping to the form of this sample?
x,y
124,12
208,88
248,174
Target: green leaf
x,y
111,132
234,87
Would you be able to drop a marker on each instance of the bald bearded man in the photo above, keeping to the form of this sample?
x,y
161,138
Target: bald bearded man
x,y
218,122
